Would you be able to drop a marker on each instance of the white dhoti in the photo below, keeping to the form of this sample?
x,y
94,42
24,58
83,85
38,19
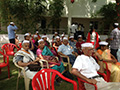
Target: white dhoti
x,y
30,74
103,85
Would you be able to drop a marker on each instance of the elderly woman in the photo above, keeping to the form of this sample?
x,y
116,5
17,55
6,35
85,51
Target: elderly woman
x,y
44,53
111,61
25,57
57,42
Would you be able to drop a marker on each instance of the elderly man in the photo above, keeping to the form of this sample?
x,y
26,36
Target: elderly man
x,y
11,32
67,51
85,67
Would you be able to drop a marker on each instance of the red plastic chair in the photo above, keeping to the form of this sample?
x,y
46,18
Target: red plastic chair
x,y
20,45
108,73
5,63
81,82
8,49
44,80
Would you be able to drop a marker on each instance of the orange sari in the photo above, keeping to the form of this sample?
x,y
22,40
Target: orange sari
x,y
114,68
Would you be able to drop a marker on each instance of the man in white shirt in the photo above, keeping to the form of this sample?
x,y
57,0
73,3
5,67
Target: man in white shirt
x,y
85,67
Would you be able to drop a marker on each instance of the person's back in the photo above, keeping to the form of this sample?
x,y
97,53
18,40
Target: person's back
x,y
11,33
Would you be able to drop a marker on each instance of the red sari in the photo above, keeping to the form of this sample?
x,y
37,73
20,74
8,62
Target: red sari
x,y
97,40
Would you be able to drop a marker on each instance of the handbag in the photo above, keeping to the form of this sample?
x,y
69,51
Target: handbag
x,y
34,67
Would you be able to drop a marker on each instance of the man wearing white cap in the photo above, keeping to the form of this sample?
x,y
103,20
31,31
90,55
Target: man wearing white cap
x,y
11,32
54,36
72,43
37,33
67,51
85,67
115,39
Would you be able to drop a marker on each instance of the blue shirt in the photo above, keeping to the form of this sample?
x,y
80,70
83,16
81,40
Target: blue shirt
x,y
65,49
11,33
73,44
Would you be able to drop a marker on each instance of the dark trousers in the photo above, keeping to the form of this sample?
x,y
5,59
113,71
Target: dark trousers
x,y
114,52
72,59
12,41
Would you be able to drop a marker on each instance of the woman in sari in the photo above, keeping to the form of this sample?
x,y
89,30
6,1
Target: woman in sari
x,y
44,53
93,38
112,63
25,57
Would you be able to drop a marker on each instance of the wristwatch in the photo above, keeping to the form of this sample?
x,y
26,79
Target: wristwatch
x,y
101,60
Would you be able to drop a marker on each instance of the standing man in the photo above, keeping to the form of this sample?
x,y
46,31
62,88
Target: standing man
x,y
115,40
11,32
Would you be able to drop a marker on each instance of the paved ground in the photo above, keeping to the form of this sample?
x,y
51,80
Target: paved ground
x,y
4,38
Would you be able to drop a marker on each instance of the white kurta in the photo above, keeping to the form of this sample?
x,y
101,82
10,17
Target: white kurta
x,y
87,66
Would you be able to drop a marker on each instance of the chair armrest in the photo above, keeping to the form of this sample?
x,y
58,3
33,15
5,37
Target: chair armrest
x,y
41,63
82,86
19,66
65,57
45,62
104,75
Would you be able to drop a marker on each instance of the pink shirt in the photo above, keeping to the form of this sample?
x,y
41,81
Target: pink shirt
x,y
39,52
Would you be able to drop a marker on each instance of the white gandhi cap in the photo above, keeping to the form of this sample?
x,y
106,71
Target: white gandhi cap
x,y
87,45
40,40
27,34
25,41
11,22
65,38
71,36
44,36
117,24
103,43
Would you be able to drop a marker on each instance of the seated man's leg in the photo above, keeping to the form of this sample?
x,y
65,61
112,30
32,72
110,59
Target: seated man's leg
x,y
103,85
72,59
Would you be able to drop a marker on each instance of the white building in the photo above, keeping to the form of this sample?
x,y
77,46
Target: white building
x,y
81,11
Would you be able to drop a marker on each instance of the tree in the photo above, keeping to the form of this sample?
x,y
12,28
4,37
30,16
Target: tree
x,y
56,10
26,13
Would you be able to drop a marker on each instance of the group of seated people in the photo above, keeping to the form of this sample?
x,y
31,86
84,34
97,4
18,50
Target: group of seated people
x,y
80,54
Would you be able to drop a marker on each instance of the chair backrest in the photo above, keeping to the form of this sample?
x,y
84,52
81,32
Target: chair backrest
x,y
5,58
8,49
20,45
107,71
44,80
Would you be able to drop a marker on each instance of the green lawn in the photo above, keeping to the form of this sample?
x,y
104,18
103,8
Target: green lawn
x,y
10,84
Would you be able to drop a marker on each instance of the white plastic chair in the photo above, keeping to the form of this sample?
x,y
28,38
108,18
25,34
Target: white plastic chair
x,y
21,73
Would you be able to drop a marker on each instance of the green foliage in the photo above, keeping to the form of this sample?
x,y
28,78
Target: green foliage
x,y
109,14
56,10
26,14
94,0
4,10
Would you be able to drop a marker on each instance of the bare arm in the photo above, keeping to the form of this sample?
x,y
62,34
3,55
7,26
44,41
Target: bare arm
x,y
75,53
78,74
20,63
60,53
101,70
32,46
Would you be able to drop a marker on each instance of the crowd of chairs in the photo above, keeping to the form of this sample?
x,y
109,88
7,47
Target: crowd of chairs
x,y
44,79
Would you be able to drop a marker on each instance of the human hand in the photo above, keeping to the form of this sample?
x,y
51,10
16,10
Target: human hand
x,y
114,61
37,59
93,81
